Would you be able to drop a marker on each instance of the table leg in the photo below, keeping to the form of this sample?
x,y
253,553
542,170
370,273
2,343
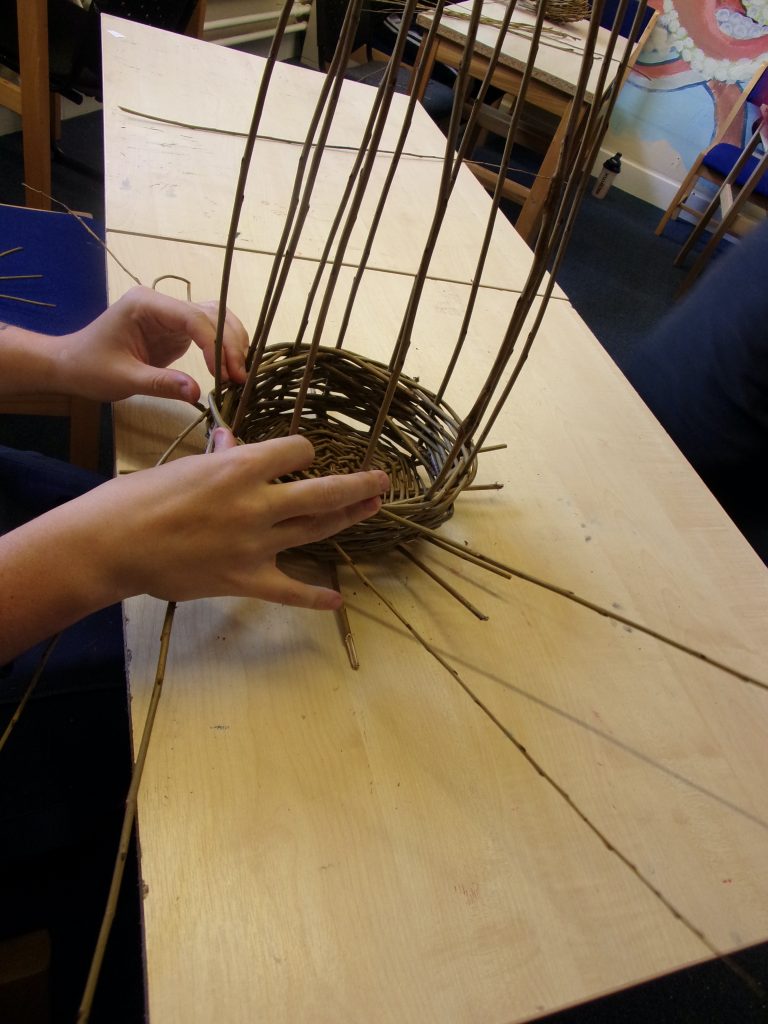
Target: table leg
x,y
422,69
35,100
529,221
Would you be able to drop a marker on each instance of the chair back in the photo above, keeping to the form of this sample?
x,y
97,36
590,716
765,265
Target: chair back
x,y
758,94
173,15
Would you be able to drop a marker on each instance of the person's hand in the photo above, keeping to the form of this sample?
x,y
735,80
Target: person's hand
x,y
212,525
126,350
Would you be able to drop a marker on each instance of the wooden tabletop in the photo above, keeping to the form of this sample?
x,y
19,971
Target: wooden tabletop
x,y
323,844
561,48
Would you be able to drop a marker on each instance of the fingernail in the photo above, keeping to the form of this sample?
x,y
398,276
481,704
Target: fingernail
x,y
219,436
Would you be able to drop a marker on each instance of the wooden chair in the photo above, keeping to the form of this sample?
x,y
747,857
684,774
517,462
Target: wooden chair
x,y
540,121
44,74
750,168
737,171
56,63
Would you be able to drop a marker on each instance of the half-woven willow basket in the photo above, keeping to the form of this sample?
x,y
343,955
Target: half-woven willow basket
x,y
345,395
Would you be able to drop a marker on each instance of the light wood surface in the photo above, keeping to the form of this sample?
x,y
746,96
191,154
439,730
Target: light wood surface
x,y
177,182
320,844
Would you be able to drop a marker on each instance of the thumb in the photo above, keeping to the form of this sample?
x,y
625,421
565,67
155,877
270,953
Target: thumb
x,y
162,383
223,439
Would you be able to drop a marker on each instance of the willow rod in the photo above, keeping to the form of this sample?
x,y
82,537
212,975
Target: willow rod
x,y
47,652
498,192
131,801
306,147
571,201
493,565
542,253
28,302
299,203
404,336
374,131
558,788
467,134
397,153
342,619
237,206
448,587
360,155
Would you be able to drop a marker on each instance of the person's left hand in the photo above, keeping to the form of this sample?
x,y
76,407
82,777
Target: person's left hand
x,y
126,350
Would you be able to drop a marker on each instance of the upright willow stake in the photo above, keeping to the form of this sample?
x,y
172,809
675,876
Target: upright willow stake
x,y
575,189
237,206
498,193
542,254
86,1003
404,336
299,203
468,131
373,134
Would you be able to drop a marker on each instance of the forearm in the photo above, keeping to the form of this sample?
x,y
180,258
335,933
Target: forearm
x,y
30,363
52,573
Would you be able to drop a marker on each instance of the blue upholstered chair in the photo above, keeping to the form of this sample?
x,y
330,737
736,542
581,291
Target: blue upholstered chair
x,y
727,166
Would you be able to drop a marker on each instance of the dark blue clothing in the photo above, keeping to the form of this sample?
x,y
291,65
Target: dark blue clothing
x,y
64,774
704,373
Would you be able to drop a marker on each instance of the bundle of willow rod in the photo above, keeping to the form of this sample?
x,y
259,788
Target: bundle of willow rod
x,y
346,395
302,386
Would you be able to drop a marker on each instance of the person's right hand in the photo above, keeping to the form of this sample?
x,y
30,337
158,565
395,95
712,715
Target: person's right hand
x,y
203,526
212,525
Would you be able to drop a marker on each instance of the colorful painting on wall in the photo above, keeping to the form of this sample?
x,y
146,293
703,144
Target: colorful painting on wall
x,y
697,60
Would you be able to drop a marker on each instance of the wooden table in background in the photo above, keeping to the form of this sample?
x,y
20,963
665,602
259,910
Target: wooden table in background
x,y
551,89
320,844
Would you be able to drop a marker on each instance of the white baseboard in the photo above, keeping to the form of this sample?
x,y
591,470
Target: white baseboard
x,y
659,190
642,182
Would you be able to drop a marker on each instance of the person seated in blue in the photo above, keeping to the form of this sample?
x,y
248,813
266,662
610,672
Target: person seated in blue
x,y
703,372
200,526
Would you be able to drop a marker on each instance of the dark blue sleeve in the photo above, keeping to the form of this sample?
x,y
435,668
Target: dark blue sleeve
x,y
704,373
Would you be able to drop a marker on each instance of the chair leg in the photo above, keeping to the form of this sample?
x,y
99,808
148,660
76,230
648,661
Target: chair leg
x,y
717,201
680,196
422,68
196,23
727,221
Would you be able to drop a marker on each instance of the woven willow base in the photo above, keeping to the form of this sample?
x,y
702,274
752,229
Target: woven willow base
x,y
341,405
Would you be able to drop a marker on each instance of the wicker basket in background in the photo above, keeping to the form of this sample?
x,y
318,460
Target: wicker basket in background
x,y
567,10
